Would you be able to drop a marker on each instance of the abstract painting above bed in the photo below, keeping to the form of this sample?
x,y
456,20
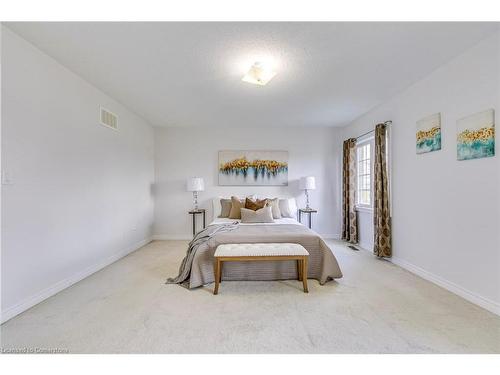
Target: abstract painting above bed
x,y
237,168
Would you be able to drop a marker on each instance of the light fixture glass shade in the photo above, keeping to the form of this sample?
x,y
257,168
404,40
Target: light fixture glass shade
x,y
259,74
195,184
307,183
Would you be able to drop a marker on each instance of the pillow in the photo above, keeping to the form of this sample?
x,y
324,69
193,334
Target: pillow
x,y
262,215
274,203
255,204
236,206
216,207
225,207
288,207
292,203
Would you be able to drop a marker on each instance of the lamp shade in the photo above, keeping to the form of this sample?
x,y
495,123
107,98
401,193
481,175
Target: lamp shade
x,y
307,183
195,184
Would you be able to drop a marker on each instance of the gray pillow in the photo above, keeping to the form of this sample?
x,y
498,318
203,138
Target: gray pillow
x,y
225,207
262,215
274,203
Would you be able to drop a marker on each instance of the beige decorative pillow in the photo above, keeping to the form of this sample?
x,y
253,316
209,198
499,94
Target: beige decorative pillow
x,y
225,207
274,203
236,206
255,204
262,215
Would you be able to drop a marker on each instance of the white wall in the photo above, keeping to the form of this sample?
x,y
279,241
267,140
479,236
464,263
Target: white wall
x,y
81,193
446,212
185,152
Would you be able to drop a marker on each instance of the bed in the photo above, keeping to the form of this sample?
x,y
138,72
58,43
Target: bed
x,y
323,265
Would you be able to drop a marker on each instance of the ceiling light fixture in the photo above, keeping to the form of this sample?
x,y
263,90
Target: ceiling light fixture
x,y
259,74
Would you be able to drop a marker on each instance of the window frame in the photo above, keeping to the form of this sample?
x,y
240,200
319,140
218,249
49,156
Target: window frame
x,y
362,143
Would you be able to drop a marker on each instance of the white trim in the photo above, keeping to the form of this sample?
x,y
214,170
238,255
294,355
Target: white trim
x,y
371,142
35,299
476,299
172,237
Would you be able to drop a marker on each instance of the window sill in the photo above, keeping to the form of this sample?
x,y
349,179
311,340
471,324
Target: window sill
x,y
364,209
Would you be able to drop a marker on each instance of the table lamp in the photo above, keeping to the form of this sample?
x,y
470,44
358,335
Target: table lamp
x,y
195,184
306,184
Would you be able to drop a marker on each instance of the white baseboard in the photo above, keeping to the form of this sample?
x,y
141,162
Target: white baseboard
x,y
172,237
35,299
476,299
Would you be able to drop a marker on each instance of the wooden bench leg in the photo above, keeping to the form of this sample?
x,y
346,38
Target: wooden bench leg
x,y
299,270
304,274
220,271
216,275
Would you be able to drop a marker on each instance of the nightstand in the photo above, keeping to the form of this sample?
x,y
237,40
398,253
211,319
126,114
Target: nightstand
x,y
308,211
200,211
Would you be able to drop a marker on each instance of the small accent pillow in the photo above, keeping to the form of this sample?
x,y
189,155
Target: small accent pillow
x,y
255,204
262,215
226,207
274,203
236,206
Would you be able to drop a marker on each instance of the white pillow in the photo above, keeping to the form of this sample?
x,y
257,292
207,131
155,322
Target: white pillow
x,y
216,208
275,208
292,202
288,207
262,215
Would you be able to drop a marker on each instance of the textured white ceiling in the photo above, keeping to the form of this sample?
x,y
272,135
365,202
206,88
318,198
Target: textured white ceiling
x,y
189,74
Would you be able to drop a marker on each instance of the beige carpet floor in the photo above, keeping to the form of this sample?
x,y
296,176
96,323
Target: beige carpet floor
x,y
376,308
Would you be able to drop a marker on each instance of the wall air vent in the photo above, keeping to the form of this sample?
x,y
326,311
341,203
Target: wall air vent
x,y
108,119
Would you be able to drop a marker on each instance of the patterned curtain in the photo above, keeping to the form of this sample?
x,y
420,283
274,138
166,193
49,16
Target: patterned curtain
x,y
349,219
381,212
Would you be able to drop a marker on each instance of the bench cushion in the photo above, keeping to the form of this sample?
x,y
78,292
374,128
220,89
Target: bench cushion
x,y
260,249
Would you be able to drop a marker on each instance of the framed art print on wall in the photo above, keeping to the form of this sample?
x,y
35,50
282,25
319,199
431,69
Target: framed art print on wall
x,y
476,136
429,134
249,167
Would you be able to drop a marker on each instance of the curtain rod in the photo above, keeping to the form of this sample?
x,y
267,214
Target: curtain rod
x,y
371,131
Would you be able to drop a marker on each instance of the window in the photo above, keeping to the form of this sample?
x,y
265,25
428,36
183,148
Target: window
x,y
364,186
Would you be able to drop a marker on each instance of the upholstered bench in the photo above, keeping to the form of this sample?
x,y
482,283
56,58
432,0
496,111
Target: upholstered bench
x,y
246,252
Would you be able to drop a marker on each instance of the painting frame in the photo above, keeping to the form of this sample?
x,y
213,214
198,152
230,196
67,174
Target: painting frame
x,y
252,168
476,135
428,134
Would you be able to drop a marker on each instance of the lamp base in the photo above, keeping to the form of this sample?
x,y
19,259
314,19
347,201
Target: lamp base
x,y
307,200
195,201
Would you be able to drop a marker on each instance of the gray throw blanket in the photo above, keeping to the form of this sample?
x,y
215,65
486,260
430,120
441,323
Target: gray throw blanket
x,y
200,238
